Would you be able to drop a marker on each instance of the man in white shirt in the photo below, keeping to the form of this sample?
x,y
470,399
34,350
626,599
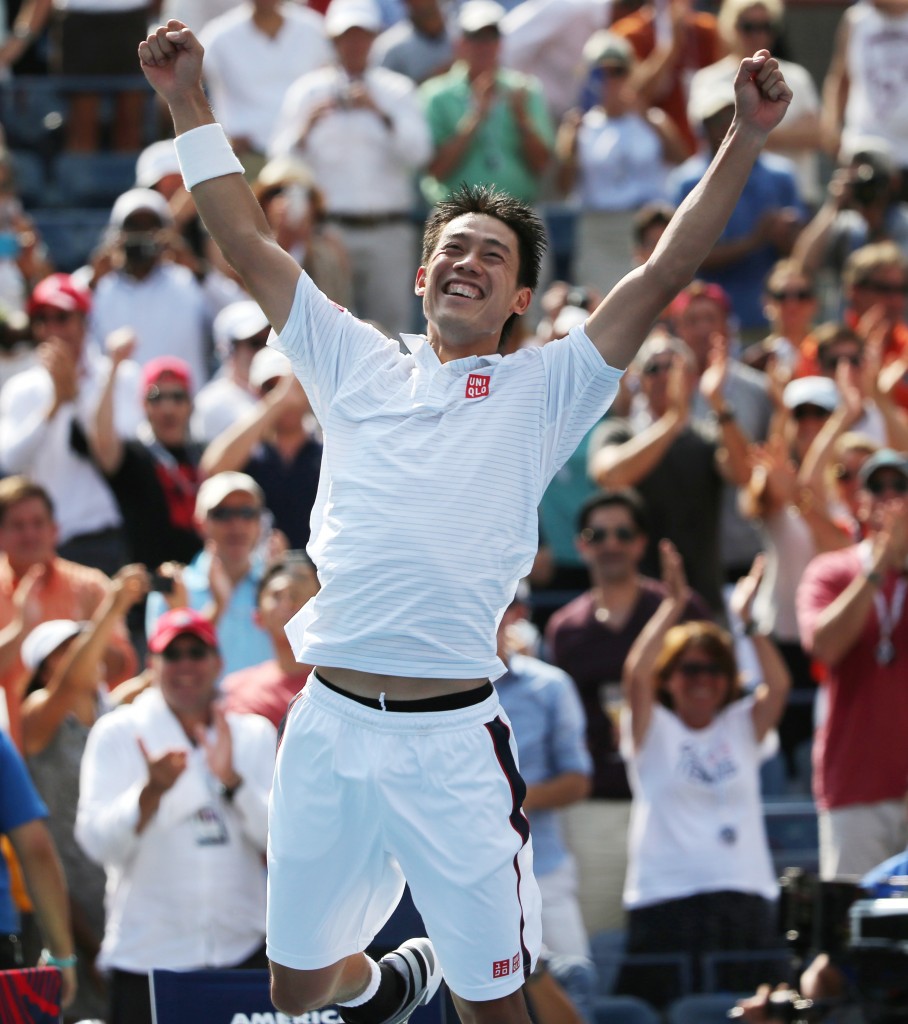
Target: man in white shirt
x,y
397,761
44,413
362,132
174,803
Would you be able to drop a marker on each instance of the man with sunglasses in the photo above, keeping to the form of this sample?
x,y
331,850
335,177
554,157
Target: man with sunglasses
x,y
44,413
221,581
853,618
589,638
174,803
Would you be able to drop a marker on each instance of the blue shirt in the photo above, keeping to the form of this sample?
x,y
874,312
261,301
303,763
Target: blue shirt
x,y
550,729
19,804
242,642
772,185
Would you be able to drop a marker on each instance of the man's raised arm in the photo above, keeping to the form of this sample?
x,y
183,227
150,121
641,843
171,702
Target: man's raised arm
x,y
623,319
171,59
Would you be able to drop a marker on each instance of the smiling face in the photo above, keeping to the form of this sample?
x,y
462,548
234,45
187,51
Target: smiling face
x,y
698,685
186,672
469,286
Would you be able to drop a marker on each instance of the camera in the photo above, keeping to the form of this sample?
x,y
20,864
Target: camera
x,y
162,584
868,184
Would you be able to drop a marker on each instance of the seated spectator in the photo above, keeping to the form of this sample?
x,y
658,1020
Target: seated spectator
x,y
614,158
67,695
700,875
676,461
550,730
173,803
23,256
862,205
362,133
21,821
154,475
763,225
159,300
854,621
747,26
240,330
273,443
267,689
44,413
294,207
37,585
789,305
419,46
221,580
589,638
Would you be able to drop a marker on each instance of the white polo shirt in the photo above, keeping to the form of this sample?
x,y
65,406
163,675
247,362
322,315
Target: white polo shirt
x,y
431,475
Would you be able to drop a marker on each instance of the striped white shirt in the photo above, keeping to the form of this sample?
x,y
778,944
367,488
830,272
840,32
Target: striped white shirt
x,y
431,474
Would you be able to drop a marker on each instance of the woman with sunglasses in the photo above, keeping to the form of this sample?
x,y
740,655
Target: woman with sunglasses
x,y
700,875
614,158
746,26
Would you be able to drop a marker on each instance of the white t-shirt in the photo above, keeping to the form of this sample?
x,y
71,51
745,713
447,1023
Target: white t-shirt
x,y
425,518
696,818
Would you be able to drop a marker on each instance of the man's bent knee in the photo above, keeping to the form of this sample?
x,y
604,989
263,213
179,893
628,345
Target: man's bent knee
x,y
294,992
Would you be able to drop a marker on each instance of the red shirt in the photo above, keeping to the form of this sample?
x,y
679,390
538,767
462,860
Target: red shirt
x,y
860,752
264,690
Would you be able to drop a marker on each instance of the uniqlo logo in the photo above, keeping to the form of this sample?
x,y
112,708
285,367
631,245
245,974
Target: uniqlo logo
x,y
515,963
478,385
501,968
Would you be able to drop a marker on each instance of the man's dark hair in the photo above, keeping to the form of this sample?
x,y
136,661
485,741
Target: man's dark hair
x,y
516,214
284,566
627,498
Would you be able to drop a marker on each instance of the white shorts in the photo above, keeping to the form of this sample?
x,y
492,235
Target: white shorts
x,y
363,799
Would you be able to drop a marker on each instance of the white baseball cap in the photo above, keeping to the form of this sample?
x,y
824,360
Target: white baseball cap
x,y
475,15
819,391
235,322
346,14
140,199
218,487
156,162
45,638
267,364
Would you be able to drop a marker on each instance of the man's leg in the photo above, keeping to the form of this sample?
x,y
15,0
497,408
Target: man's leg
x,y
294,992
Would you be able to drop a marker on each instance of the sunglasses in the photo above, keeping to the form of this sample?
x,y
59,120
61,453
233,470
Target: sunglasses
x,y
831,362
156,395
223,514
692,669
883,287
652,369
752,27
810,412
613,71
895,485
793,295
194,652
257,342
597,534
57,316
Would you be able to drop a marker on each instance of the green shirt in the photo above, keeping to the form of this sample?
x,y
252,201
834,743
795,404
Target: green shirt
x,y
495,156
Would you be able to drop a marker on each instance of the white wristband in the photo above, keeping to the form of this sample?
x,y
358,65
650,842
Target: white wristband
x,y
204,153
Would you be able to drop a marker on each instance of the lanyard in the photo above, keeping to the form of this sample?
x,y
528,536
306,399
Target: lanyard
x,y
888,616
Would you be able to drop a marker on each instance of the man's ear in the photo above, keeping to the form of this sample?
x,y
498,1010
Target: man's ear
x,y
420,288
522,301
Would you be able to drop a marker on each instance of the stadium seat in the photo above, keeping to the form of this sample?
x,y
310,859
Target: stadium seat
x,y
791,829
743,970
607,952
31,177
70,234
624,1010
707,1008
93,179
32,111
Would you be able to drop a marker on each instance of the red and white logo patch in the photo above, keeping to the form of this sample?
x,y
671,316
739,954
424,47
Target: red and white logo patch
x,y
501,968
515,963
478,385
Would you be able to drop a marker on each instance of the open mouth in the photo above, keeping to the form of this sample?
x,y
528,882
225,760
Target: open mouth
x,y
463,289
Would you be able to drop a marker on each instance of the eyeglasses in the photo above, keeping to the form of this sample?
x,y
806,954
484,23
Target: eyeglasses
x,y
831,362
810,412
692,669
597,534
883,287
893,484
651,369
156,395
223,514
793,295
752,27
194,652
55,316
613,71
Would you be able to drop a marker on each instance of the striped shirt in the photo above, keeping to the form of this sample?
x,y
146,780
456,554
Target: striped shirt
x,y
425,517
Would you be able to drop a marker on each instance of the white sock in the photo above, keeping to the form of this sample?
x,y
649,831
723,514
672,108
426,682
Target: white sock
x,y
370,989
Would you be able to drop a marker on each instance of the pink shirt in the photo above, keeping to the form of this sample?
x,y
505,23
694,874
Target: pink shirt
x,y
264,690
860,750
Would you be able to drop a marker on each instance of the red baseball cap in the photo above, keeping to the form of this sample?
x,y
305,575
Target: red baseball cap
x,y
59,291
177,622
155,369
700,290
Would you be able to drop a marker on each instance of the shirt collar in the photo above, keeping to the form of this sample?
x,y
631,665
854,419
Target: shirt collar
x,y
418,346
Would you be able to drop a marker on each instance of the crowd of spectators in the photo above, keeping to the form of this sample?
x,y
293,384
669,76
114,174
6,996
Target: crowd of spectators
x,y
723,559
